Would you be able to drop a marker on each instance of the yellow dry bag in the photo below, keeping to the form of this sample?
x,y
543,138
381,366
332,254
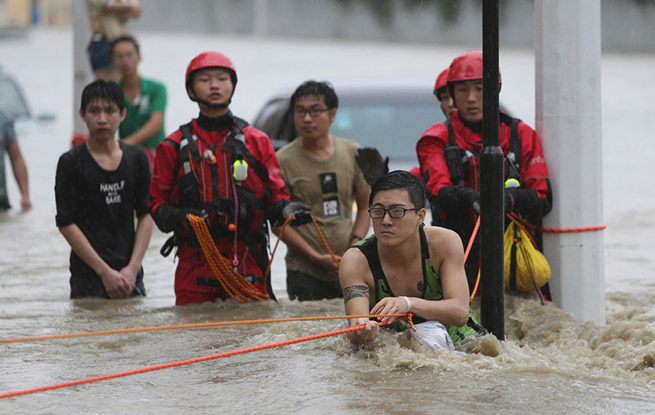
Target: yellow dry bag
x,y
526,269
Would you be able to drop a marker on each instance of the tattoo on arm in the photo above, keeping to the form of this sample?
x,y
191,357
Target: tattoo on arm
x,y
355,291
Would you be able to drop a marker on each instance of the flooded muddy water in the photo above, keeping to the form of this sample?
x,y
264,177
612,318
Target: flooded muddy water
x,y
550,362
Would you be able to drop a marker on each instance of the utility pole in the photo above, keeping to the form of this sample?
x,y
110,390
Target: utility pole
x,y
492,220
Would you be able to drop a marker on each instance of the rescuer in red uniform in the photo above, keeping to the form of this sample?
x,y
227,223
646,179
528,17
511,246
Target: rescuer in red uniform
x,y
449,157
220,168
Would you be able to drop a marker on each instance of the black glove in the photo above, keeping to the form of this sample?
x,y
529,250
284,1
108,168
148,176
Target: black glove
x,y
468,198
476,207
447,199
371,163
169,217
301,211
458,200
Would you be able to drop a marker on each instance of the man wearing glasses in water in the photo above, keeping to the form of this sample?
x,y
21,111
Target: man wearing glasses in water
x,y
407,267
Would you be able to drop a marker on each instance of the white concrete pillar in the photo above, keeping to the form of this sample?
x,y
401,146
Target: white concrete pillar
x,y
568,120
81,66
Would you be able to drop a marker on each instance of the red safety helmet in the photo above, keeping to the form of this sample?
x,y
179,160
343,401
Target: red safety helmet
x,y
467,66
211,60
441,82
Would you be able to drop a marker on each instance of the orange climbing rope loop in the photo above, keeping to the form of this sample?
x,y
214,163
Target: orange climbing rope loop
x,y
234,283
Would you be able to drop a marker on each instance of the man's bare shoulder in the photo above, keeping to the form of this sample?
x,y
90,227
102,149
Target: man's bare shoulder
x,y
354,268
353,256
444,243
441,235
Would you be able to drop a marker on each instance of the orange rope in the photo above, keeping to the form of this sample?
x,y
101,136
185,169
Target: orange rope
x,y
517,220
518,223
188,326
410,321
181,363
234,283
472,238
475,287
334,258
569,230
523,225
466,254
318,229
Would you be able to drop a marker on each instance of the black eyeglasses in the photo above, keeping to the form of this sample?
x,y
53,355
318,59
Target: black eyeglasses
x,y
394,212
314,112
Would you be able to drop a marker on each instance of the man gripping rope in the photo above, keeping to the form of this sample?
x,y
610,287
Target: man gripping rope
x,y
407,267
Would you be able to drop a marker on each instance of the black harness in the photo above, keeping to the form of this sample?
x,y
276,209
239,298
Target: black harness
x,y
457,159
188,184
247,202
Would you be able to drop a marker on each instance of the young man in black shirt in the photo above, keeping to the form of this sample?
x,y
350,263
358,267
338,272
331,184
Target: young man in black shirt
x,y
100,185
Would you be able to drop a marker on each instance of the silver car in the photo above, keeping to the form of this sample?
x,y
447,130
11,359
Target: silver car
x,y
14,103
389,114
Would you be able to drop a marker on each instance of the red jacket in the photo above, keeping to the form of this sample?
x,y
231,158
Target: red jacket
x,y
262,195
164,185
532,169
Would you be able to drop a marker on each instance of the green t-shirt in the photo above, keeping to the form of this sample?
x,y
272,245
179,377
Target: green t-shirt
x,y
152,99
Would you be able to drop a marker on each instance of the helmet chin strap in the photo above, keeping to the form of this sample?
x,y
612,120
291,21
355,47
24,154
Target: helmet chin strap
x,y
207,103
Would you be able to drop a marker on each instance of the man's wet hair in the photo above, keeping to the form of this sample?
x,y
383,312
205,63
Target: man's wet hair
x,y
103,90
125,38
315,88
401,179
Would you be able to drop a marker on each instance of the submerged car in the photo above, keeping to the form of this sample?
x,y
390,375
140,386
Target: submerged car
x,y
389,114
14,103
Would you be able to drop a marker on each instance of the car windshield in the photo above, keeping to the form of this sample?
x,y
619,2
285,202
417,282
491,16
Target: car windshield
x,y
390,118
392,128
